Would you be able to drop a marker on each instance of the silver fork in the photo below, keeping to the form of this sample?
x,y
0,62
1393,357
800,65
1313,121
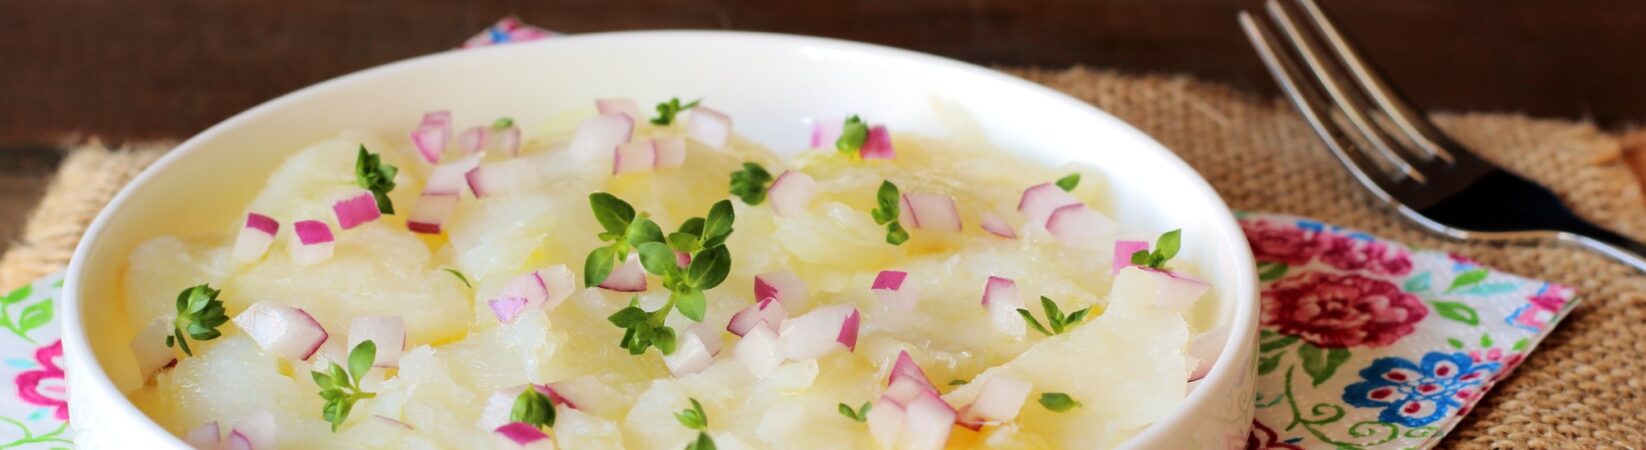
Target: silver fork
x,y
1399,156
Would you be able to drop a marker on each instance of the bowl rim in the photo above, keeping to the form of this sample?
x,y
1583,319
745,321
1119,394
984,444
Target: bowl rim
x,y
1222,375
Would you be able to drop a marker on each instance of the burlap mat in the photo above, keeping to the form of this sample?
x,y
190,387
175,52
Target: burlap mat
x,y
1581,389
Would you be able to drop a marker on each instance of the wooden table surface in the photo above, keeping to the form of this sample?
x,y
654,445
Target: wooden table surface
x,y
166,69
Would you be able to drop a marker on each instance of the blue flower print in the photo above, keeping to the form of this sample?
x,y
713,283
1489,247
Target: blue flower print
x,y
1415,395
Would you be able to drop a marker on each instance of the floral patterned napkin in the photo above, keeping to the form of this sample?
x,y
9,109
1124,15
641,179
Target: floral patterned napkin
x,y
1366,343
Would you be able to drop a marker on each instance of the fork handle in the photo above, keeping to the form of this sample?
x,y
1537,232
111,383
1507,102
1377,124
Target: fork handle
x,y
1618,247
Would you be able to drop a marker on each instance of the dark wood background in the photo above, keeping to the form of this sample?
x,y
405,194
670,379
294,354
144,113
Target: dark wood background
x,y
165,69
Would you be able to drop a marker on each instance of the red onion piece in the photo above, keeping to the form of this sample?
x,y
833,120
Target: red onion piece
x,y
619,105
507,308
848,330
998,226
522,435
638,156
1001,299
448,178
1176,291
236,441
1040,200
710,127
258,428
932,211
998,401
384,420
429,215
825,134
388,333
784,286
431,135
878,145
204,437
506,139
690,355
1205,348
559,282
906,379
282,330
598,135
927,421
671,151
628,277
152,353
1077,226
502,178
758,351
542,289
768,313
1123,251
886,421
890,287
255,237
314,243
816,334
472,140
355,210
792,193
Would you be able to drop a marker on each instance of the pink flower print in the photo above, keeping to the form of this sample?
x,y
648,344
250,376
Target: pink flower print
x,y
1496,355
1371,256
45,387
1539,309
1341,311
1282,242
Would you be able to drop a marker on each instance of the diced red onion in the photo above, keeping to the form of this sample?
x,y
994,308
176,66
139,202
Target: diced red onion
x,y
816,334
999,401
709,335
627,277
521,435
204,437
1205,348
886,421
472,140
1001,300
998,226
355,210
1077,226
255,237
506,139
431,135
152,353
236,441
638,156
559,282
1123,251
1040,200
710,127
848,330
259,429
768,313
907,379
619,105
758,351
542,289
429,215
507,308
932,212
388,333
690,356
389,422
792,193
1176,291
448,178
314,243
890,286
825,133
501,178
927,421
598,135
784,286
878,145
282,330
671,151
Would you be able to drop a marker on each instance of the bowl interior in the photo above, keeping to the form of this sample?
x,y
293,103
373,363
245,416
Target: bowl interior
x,y
769,84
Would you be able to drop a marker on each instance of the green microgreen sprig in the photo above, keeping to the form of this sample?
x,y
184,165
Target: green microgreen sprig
x,y
533,407
667,110
1058,401
341,388
694,418
199,313
750,184
703,239
1068,182
888,203
861,414
372,174
1164,249
1054,317
853,134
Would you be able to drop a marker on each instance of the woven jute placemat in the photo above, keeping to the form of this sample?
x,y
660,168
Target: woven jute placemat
x,y
1585,387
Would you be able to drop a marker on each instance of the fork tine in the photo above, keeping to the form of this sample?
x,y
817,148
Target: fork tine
x,y
1310,105
1331,81
1414,126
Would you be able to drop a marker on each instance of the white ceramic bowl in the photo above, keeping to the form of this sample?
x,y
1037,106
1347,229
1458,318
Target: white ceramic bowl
x,y
768,83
